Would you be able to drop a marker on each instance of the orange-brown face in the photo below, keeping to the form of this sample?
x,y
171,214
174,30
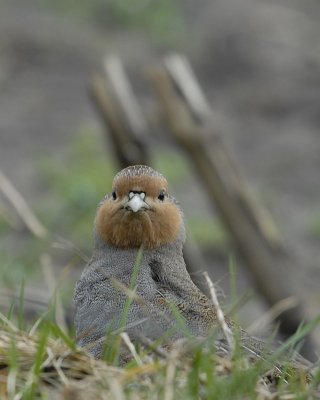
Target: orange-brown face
x,y
139,212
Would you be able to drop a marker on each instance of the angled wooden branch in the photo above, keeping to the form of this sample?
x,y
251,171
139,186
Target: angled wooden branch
x,y
191,93
250,227
125,99
127,150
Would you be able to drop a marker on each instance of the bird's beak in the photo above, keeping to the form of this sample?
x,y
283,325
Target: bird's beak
x,y
136,202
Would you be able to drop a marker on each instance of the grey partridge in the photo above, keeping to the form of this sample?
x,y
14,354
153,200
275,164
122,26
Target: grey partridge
x,y
141,214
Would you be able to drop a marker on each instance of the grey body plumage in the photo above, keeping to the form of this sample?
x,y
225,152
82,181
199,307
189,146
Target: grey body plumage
x,y
162,279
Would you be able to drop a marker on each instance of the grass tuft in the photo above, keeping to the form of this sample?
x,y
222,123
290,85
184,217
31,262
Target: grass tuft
x,y
47,364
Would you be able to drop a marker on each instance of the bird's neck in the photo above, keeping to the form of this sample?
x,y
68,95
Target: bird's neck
x,y
165,252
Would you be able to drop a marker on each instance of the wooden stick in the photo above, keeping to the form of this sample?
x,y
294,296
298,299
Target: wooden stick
x,y
265,261
126,151
240,228
185,80
125,97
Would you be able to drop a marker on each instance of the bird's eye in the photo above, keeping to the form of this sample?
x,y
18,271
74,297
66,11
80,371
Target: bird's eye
x,y
114,195
161,196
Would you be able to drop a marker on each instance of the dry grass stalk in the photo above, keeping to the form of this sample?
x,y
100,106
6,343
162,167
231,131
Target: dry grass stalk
x,y
220,316
22,208
149,344
68,374
61,366
131,348
170,374
65,244
8,323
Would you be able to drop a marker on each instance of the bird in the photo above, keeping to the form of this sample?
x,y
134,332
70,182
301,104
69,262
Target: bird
x,y
141,216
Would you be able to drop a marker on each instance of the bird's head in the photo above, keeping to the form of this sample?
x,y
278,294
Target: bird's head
x,y
139,212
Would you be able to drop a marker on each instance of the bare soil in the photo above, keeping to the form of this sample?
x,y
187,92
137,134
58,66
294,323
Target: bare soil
x,y
259,65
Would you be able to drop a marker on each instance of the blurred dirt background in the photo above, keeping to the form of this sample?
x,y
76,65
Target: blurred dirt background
x,y
258,62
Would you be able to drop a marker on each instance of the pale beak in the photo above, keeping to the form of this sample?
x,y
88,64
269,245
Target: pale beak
x,y
136,202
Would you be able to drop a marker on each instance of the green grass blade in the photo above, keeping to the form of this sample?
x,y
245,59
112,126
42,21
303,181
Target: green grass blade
x,y
112,343
32,384
58,332
21,306
296,338
132,285
10,311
